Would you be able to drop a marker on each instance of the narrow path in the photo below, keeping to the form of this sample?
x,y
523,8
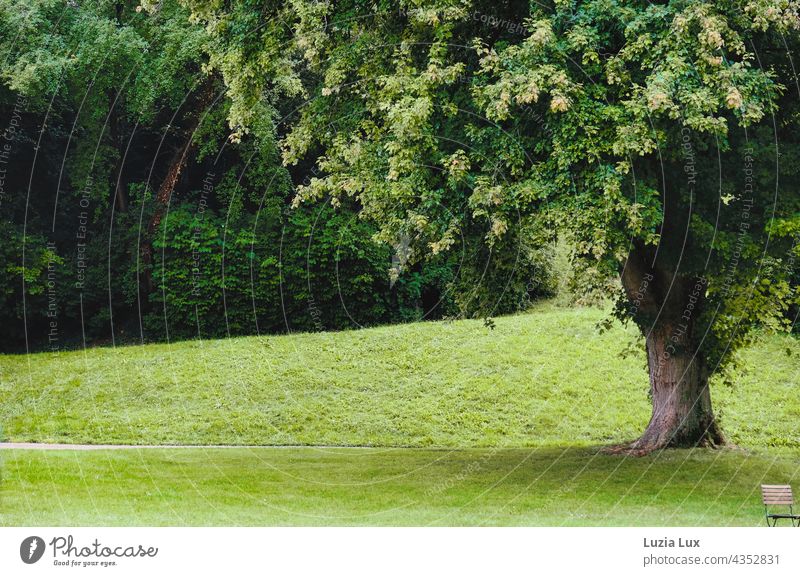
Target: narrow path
x,y
50,446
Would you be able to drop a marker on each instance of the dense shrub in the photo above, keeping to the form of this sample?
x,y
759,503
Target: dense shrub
x,y
310,269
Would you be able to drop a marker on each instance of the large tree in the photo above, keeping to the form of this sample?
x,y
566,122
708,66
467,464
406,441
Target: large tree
x,y
660,137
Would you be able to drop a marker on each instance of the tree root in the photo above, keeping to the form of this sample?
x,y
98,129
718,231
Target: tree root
x,y
712,438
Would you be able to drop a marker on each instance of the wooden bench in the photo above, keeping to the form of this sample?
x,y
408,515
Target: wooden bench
x,y
778,495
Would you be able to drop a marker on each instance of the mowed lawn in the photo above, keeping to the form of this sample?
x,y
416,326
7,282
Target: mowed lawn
x,y
352,486
462,425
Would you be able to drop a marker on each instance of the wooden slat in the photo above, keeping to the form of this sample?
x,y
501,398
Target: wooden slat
x,y
777,494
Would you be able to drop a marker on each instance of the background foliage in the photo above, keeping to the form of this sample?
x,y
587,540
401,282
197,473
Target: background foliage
x,y
129,213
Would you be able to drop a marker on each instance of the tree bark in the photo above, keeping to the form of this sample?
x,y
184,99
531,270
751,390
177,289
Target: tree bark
x,y
116,127
162,199
681,415
175,168
666,307
117,134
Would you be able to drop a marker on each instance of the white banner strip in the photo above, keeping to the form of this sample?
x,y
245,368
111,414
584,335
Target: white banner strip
x,y
400,551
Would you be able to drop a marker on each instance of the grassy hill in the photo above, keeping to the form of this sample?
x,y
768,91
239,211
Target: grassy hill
x,y
540,379
469,426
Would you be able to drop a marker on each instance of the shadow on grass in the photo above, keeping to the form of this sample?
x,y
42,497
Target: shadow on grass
x,y
550,486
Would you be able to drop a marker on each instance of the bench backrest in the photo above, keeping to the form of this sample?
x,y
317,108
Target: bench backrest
x,y
776,494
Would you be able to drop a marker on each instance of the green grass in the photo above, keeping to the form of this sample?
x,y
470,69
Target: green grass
x,y
544,378
499,427
349,486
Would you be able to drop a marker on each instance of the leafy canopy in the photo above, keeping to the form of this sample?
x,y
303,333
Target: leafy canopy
x,y
648,129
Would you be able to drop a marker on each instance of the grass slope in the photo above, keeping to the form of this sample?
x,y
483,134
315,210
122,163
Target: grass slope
x,y
516,414
543,378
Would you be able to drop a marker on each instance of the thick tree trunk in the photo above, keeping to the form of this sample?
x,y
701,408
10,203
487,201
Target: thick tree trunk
x,y
682,414
666,307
